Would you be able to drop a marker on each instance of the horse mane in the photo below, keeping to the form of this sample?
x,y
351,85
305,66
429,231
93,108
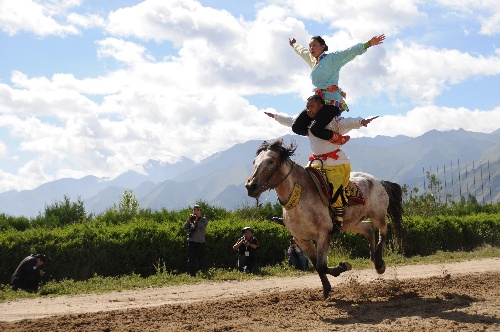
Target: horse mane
x,y
284,152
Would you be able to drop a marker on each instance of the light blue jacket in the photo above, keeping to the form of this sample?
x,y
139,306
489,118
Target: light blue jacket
x,y
326,72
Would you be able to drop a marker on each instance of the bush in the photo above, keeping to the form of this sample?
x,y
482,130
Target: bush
x,y
424,236
128,240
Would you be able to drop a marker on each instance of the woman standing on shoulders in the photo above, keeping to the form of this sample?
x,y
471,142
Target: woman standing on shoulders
x,y
325,77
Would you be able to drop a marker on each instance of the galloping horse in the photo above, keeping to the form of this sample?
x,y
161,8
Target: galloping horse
x,y
308,218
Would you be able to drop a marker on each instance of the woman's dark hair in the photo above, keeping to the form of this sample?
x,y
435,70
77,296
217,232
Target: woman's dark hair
x,y
321,41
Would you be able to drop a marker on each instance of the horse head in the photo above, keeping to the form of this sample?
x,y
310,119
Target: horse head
x,y
267,163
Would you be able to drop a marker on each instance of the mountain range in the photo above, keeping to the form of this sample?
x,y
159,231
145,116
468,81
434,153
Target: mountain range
x,y
465,162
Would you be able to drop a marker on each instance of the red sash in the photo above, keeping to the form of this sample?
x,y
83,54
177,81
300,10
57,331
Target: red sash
x,y
325,156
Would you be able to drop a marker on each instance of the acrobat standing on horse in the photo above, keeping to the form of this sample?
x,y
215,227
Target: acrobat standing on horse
x,y
329,156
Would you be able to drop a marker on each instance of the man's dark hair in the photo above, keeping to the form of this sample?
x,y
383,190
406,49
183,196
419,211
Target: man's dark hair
x,y
316,98
41,256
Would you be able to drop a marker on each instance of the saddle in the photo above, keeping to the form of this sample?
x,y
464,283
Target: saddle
x,y
325,190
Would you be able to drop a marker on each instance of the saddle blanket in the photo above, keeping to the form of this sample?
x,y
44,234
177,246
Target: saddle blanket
x,y
353,192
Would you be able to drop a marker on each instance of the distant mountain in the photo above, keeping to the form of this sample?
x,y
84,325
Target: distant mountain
x,y
465,162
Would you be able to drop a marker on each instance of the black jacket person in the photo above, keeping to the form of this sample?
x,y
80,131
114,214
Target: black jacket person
x,y
246,246
28,274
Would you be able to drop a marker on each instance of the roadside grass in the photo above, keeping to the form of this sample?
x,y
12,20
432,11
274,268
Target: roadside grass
x,y
162,278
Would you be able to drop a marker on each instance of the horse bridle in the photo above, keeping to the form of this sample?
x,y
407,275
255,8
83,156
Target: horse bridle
x,y
266,186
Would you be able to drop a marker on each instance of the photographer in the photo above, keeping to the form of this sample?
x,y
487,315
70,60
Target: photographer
x,y
28,274
296,256
196,226
246,247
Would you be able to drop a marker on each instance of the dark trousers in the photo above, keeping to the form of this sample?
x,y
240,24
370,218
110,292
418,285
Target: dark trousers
x,y
247,263
298,261
323,118
28,283
196,253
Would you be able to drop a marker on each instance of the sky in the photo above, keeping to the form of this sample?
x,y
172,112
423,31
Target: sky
x,y
101,87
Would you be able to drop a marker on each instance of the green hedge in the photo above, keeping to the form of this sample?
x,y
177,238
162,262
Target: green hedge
x,y
425,236
141,246
80,251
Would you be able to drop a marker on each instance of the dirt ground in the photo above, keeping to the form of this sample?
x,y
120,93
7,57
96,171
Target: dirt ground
x,y
462,296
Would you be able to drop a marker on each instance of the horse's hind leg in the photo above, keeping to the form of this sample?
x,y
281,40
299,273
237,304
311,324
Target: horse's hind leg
x,y
365,229
381,224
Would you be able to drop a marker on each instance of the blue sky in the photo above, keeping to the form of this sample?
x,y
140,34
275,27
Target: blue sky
x,y
100,87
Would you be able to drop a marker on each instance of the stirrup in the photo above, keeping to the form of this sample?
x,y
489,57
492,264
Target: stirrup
x,y
337,226
338,218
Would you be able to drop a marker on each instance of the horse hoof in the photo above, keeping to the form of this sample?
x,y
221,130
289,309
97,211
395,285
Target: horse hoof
x,y
326,293
346,266
381,270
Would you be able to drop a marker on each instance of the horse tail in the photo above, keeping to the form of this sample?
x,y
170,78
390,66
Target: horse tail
x,y
395,209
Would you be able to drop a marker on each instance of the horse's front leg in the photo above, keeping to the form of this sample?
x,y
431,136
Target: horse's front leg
x,y
319,262
323,247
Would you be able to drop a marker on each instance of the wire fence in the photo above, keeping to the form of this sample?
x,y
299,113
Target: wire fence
x,y
478,181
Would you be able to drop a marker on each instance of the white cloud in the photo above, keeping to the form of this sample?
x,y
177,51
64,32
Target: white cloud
x,y
3,149
86,21
422,73
35,17
123,51
487,12
377,17
176,21
191,101
422,119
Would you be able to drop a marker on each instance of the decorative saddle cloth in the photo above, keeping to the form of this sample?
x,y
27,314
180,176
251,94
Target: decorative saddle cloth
x,y
353,192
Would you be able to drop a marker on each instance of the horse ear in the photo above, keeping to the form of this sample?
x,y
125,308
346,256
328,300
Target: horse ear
x,y
291,149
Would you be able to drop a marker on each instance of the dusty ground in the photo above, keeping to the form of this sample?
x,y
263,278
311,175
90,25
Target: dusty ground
x,y
461,296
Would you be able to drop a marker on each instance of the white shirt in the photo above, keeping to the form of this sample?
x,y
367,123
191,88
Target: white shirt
x,y
320,146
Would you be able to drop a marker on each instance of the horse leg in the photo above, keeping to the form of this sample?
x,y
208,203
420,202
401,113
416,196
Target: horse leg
x,y
379,261
319,263
365,229
381,224
323,247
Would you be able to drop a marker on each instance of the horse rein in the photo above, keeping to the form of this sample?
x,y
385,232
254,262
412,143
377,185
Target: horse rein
x,y
265,185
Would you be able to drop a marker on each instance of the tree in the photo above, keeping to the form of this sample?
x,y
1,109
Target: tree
x,y
128,203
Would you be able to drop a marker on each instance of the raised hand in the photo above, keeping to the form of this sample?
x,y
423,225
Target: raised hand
x,y
377,40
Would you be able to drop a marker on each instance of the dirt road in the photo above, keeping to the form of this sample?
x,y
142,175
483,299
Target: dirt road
x,y
461,296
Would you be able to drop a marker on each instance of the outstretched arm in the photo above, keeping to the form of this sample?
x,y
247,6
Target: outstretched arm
x,y
365,122
377,40
302,51
282,119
